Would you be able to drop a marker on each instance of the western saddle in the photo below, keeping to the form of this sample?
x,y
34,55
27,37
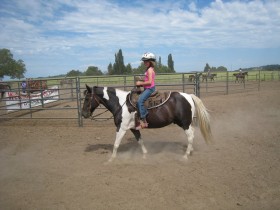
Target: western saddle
x,y
155,100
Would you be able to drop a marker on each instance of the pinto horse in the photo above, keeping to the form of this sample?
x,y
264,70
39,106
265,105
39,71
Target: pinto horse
x,y
180,109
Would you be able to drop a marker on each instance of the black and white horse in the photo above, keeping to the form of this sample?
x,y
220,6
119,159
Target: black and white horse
x,y
180,109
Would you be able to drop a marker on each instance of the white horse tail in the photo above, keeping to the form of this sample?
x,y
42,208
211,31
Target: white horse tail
x,y
203,118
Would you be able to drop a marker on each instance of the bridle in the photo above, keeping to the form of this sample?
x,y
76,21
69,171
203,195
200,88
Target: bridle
x,y
97,100
94,98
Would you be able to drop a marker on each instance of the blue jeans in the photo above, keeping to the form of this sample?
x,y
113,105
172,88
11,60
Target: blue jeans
x,y
142,98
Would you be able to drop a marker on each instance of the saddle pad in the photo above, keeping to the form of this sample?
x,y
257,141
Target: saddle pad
x,y
155,100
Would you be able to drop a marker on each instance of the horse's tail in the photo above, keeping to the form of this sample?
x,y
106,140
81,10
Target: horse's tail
x,y
203,118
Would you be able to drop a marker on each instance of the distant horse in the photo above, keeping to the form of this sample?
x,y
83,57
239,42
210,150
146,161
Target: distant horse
x,y
191,78
240,77
206,77
180,109
4,88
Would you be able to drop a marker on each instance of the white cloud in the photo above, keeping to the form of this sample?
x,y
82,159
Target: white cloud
x,y
69,26
100,22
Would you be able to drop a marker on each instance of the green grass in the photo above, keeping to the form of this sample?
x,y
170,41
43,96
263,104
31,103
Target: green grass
x,y
123,80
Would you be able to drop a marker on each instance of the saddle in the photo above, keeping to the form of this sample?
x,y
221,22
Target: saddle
x,y
155,100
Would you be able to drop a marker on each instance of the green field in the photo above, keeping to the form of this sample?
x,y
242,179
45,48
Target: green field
x,y
177,78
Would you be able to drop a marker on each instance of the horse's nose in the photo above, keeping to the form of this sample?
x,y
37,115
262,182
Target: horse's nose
x,y
86,114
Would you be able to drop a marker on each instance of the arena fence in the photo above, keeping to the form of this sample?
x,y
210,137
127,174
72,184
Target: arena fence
x,y
62,99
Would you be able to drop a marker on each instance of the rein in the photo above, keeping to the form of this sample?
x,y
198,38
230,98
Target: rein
x,y
94,116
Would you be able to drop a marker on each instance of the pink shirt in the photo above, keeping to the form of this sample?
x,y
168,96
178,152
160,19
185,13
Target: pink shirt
x,y
147,78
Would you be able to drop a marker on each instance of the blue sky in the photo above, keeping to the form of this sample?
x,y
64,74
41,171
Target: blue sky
x,y
55,36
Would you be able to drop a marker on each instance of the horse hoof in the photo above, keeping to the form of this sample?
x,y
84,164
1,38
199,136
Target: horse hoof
x,y
185,157
107,163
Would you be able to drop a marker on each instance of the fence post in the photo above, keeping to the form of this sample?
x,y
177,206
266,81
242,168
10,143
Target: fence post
x,y
79,102
41,93
183,81
259,82
227,81
30,101
124,83
206,83
197,85
71,86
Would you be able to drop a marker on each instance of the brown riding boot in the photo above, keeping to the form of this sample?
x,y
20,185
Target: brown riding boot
x,y
142,124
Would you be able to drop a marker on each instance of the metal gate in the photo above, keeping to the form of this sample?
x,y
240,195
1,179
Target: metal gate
x,y
63,97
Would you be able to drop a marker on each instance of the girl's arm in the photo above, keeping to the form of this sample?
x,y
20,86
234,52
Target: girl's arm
x,y
150,77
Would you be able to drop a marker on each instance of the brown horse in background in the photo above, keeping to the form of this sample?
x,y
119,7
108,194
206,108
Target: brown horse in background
x,y
206,77
4,88
240,77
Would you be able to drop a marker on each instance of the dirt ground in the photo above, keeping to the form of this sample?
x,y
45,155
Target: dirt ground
x,y
53,165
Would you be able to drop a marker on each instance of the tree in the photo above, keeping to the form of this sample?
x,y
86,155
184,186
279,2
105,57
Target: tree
x,y
159,62
110,69
118,66
18,70
207,68
93,71
221,68
9,66
74,73
140,69
163,69
128,69
170,64
213,68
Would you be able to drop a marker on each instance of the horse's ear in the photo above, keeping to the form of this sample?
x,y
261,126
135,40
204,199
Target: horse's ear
x,y
88,88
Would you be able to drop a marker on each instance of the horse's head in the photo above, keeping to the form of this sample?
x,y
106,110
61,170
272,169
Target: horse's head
x,y
91,102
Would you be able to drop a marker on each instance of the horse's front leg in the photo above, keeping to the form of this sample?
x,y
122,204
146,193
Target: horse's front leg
x,y
119,135
137,135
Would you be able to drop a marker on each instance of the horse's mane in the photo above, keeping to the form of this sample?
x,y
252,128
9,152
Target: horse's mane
x,y
109,89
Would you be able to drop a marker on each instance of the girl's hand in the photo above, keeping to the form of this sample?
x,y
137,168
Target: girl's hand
x,y
138,83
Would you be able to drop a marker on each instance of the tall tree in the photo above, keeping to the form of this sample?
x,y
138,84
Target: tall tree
x,y
159,62
110,69
207,67
170,63
128,69
119,67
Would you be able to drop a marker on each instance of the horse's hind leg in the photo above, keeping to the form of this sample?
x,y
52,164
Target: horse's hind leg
x,y
137,135
190,135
